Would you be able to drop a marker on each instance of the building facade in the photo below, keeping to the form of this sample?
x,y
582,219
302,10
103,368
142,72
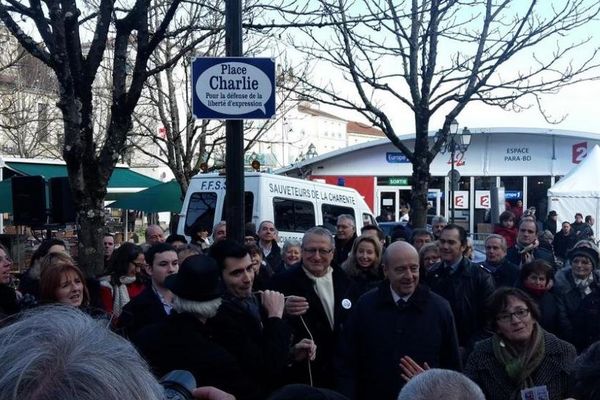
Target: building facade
x,y
526,162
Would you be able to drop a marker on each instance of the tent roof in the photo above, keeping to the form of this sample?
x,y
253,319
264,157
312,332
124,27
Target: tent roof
x,y
581,181
163,197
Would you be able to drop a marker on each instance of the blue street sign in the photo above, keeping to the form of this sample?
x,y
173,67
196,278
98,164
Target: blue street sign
x,y
396,157
233,88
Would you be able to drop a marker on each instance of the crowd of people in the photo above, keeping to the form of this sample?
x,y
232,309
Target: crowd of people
x,y
353,314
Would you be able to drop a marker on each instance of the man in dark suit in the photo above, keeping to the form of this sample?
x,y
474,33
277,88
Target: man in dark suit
x,y
465,285
400,320
153,304
316,307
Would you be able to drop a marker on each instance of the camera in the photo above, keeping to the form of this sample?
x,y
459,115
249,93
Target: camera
x,y
178,385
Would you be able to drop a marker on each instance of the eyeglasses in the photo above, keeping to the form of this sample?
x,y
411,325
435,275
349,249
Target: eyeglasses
x,y
140,265
322,252
519,314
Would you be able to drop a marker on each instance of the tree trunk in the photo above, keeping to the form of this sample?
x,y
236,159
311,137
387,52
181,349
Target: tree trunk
x,y
420,186
91,231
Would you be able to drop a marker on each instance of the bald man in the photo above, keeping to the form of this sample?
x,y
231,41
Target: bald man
x,y
400,320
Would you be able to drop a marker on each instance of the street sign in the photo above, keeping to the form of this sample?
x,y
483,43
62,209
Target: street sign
x,y
233,88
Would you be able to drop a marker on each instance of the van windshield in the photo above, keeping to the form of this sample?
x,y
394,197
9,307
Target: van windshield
x,y
200,213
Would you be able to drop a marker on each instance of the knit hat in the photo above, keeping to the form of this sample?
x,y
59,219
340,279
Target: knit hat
x,y
586,252
552,213
198,279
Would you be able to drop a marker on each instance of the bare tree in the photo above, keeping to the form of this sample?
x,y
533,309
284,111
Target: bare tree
x,y
437,56
164,127
74,38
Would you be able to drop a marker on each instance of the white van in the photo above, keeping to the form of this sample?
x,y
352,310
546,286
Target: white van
x,y
294,205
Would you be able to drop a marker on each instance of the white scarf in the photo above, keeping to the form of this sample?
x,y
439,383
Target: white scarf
x,y
324,289
119,293
584,284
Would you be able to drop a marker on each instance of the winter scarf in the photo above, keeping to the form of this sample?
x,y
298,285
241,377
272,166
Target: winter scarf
x,y
519,365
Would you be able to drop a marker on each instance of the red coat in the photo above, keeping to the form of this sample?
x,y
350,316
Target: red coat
x,y
510,234
106,297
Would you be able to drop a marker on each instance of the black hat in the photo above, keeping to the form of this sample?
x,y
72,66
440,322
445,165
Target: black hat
x,y
586,252
198,279
552,213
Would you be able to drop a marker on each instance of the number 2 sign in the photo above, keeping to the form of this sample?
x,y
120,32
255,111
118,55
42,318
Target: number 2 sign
x,y
579,152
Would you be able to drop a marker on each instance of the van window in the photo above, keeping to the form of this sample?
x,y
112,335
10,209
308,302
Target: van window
x,y
330,214
200,212
293,215
248,207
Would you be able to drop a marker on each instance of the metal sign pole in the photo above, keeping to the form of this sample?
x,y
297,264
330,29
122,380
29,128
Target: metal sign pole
x,y
234,130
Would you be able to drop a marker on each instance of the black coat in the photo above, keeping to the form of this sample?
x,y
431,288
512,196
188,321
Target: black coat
x,y
362,282
379,332
467,291
295,282
506,274
563,243
273,260
569,300
143,310
261,347
553,372
586,322
548,304
8,301
342,250
183,342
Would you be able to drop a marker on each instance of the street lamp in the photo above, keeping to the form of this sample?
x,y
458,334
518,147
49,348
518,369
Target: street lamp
x,y
458,142
312,151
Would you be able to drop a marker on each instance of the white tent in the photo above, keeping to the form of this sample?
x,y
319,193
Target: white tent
x,y
578,190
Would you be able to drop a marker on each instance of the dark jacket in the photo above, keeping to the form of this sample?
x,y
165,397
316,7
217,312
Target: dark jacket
x,y
582,230
486,371
467,291
273,260
183,342
143,310
361,283
260,346
8,301
342,250
295,282
505,274
550,224
379,332
570,297
563,243
586,322
548,304
539,253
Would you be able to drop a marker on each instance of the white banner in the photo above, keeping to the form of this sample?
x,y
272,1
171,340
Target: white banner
x,y
482,199
461,199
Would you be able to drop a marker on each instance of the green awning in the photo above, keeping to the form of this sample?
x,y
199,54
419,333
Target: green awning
x,y
163,197
121,180
122,177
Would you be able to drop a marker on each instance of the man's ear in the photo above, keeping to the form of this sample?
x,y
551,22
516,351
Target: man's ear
x,y
148,269
385,270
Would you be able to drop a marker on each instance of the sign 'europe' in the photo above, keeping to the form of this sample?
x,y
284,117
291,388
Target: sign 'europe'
x,y
233,88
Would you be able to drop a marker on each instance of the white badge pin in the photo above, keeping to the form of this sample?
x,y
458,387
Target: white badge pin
x,y
346,304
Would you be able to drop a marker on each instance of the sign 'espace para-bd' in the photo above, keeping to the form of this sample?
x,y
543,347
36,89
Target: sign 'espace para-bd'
x,y
232,88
